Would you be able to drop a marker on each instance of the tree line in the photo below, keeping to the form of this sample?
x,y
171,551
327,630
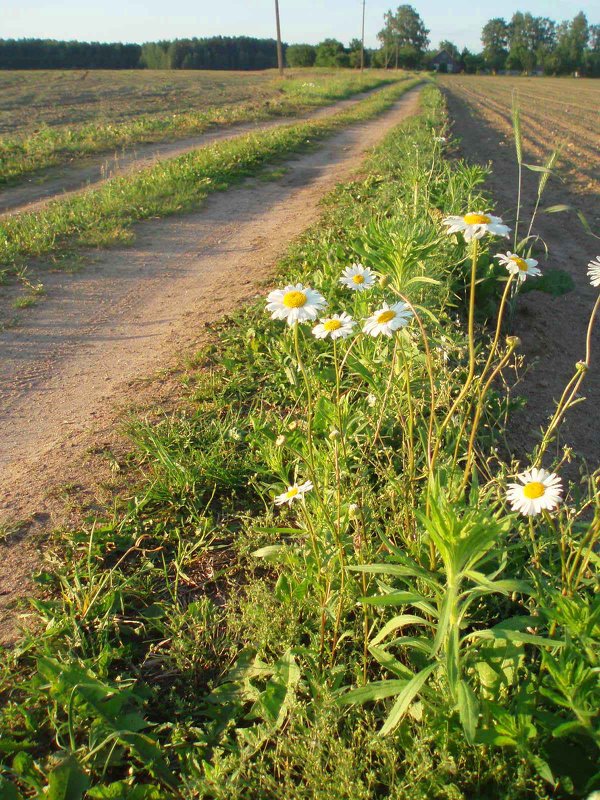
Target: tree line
x,y
529,43
525,44
216,52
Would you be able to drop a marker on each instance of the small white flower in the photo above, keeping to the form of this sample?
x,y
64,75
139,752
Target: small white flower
x,y
295,303
475,225
388,319
358,278
594,273
440,139
295,492
339,326
371,400
521,267
539,490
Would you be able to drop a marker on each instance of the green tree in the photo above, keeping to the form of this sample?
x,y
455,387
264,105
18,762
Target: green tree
x,y
527,35
354,54
573,38
472,62
301,55
494,38
331,53
404,31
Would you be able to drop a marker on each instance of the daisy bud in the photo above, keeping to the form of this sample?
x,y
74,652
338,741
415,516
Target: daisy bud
x,y
384,281
293,425
335,434
353,511
280,440
371,400
512,342
581,366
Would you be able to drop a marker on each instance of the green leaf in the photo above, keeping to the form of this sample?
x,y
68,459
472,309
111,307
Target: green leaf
x,y
67,781
394,599
270,552
542,768
515,636
8,791
535,168
397,623
390,663
377,690
468,710
123,791
405,698
555,282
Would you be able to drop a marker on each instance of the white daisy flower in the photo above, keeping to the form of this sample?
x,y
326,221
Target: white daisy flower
x,y
295,303
521,267
594,272
475,225
339,326
388,319
294,492
358,278
538,491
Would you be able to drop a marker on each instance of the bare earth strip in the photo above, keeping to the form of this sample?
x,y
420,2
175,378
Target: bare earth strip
x,y
77,356
552,329
39,189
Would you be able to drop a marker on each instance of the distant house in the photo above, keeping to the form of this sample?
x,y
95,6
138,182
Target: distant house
x,y
444,62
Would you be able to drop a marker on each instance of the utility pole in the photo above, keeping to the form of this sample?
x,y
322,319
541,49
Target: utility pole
x,y
362,41
279,48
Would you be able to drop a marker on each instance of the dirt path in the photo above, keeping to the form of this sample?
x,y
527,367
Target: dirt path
x,y
39,189
552,329
81,352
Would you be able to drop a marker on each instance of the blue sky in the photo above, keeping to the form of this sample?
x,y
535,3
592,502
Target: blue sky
x,y
302,20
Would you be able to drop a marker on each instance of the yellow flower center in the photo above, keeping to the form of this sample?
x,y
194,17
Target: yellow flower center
x,y
386,316
476,219
534,490
294,299
332,325
521,263
358,279
291,493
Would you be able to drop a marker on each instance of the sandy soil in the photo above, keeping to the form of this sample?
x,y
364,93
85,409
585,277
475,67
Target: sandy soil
x,y
552,329
82,354
39,189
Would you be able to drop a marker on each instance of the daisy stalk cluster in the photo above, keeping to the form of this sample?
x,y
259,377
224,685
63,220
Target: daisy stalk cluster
x,y
435,485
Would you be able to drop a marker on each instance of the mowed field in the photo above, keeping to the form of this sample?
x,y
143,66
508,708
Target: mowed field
x,y
32,98
54,118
